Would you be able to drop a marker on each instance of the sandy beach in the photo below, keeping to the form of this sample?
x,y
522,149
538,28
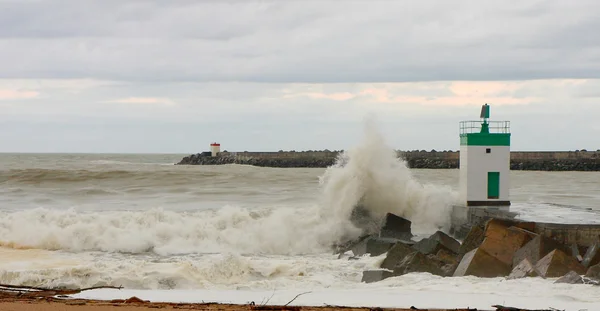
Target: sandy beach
x,y
135,304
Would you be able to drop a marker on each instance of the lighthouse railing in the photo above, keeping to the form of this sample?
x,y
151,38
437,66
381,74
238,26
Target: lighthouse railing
x,y
499,127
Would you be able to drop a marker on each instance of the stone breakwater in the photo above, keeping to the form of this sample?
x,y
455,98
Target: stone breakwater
x,y
495,248
529,161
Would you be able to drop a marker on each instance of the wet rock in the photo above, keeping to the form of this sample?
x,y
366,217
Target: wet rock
x,y
447,257
593,272
472,241
523,269
436,242
571,277
373,245
370,276
341,248
537,248
481,264
394,226
592,256
418,262
395,255
556,264
503,242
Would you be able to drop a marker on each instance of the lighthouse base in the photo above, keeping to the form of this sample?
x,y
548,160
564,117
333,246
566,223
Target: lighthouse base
x,y
488,203
464,217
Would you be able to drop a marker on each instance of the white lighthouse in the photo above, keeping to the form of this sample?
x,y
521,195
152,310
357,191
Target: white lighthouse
x,y
485,161
215,148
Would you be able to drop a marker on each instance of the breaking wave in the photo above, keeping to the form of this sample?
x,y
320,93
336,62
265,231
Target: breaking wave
x,y
370,175
373,176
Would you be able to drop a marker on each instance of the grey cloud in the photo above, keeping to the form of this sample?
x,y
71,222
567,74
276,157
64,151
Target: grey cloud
x,y
299,41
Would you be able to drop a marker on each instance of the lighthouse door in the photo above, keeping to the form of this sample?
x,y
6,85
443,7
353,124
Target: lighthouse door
x,y
493,185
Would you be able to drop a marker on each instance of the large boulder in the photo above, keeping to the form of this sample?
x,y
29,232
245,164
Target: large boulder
x,y
593,272
592,256
347,245
396,255
571,277
370,276
503,242
418,262
390,226
537,248
374,246
472,240
557,263
395,227
481,264
447,257
523,269
436,242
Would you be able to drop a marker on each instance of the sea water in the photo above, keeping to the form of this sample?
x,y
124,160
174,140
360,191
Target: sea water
x,y
236,233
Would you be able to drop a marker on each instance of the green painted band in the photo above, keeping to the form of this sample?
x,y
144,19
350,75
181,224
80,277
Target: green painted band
x,y
485,139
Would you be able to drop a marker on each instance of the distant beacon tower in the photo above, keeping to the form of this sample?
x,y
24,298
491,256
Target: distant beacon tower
x,y
485,161
215,148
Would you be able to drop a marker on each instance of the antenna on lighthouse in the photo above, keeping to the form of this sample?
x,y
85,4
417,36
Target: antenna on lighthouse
x,y
485,115
485,111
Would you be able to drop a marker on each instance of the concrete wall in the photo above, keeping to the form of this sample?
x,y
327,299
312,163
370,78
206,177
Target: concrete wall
x,y
464,217
451,155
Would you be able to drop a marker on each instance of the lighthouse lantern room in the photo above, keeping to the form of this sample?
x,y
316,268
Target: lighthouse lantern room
x,y
485,161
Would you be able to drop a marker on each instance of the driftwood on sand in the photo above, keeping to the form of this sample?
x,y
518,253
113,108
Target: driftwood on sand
x,y
11,293
19,291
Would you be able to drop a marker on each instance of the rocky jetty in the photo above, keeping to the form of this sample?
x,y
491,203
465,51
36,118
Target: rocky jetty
x,y
528,161
499,248
588,165
288,162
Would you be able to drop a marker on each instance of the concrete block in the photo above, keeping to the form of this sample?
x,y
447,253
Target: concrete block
x,y
435,242
523,269
503,242
395,255
481,264
537,248
593,272
394,226
592,256
371,276
575,252
373,246
557,263
447,256
418,262
472,240
571,277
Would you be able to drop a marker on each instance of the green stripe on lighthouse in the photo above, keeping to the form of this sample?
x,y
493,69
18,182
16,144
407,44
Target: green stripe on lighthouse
x,y
485,139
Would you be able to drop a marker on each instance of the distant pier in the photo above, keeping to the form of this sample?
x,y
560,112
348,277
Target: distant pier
x,y
519,160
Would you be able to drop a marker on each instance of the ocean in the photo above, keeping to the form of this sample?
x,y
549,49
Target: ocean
x,y
239,233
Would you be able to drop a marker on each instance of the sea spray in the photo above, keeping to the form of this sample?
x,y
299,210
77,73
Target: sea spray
x,y
371,175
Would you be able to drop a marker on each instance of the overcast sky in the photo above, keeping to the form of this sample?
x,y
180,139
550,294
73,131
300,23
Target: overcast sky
x,y
173,76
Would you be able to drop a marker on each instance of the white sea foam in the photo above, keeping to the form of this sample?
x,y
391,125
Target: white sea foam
x,y
421,290
370,172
